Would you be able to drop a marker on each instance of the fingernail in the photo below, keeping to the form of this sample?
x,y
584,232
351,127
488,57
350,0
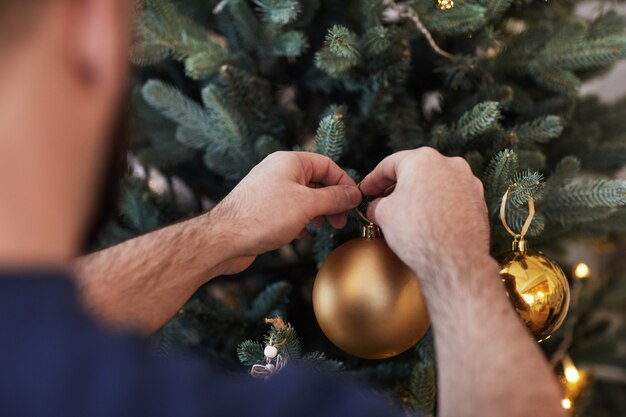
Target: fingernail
x,y
354,195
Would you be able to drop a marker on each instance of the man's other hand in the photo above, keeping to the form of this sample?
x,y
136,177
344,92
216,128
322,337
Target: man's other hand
x,y
435,212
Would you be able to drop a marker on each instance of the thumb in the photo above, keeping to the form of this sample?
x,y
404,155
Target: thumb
x,y
334,199
374,211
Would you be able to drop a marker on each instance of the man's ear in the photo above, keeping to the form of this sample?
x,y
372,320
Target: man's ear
x,y
98,37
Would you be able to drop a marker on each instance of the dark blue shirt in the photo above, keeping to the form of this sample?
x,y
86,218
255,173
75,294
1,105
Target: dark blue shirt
x,y
55,362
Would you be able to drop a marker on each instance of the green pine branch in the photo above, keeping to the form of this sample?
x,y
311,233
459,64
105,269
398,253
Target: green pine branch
x,y
162,32
245,23
174,105
473,123
607,24
324,243
477,120
217,127
540,130
250,352
283,336
590,194
423,387
496,8
376,41
371,12
265,145
499,175
564,173
589,53
331,133
279,11
266,302
584,202
228,125
525,184
531,159
516,217
613,224
462,19
554,78
290,44
339,53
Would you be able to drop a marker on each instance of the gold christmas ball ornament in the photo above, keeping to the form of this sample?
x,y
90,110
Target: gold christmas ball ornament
x,y
537,287
367,301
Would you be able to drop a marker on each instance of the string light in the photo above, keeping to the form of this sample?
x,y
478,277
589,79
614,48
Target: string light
x,y
573,381
582,271
566,403
572,375
570,371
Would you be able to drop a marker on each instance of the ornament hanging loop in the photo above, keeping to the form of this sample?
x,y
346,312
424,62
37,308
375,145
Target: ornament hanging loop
x,y
369,230
519,243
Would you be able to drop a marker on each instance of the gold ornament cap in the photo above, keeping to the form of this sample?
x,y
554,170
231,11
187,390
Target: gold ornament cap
x,y
519,245
369,230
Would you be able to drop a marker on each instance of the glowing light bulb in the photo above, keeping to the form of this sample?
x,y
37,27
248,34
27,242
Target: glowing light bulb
x,y
582,270
569,370
572,375
566,403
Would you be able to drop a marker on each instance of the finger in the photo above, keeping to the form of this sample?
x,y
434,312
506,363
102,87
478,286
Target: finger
x,y
338,221
384,175
371,210
381,211
303,233
336,199
317,222
388,191
320,169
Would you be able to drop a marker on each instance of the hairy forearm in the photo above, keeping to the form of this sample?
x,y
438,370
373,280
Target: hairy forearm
x,y
141,283
488,365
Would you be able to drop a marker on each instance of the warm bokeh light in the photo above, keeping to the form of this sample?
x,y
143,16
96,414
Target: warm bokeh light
x,y
569,370
582,270
566,403
571,374
573,381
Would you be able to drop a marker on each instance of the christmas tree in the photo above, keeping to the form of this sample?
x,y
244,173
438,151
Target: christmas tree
x,y
222,84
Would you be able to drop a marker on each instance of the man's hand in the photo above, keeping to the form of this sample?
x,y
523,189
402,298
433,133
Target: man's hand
x,y
145,280
435,219
436,210
273,204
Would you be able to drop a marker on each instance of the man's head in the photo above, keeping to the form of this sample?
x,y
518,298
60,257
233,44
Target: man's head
x,y
63,75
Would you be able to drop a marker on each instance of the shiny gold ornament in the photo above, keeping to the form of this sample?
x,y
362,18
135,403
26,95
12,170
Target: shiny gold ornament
x,y
538,289
445,4
536,286
367,301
